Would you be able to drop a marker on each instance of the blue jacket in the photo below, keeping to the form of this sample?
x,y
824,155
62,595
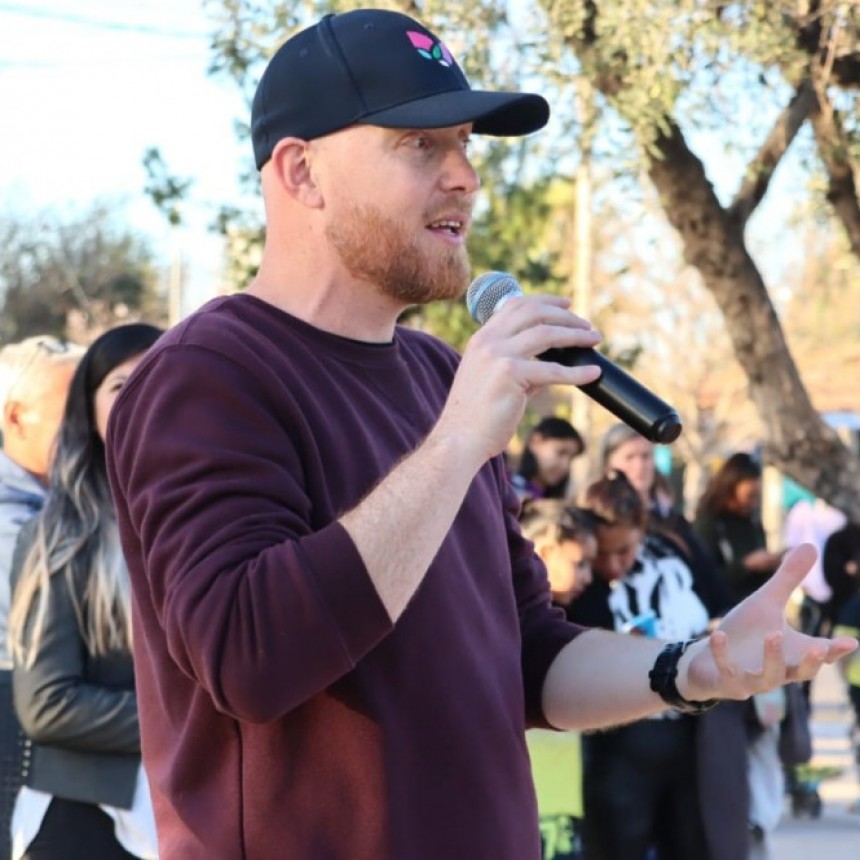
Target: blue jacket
x,y
21,497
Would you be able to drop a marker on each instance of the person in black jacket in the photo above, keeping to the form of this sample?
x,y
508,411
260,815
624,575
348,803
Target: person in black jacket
x,y
85,794
729,524
841,564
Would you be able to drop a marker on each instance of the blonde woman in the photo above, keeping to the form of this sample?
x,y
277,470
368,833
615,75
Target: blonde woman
x,y
84,793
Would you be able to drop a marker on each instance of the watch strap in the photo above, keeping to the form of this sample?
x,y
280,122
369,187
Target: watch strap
x,y
663,677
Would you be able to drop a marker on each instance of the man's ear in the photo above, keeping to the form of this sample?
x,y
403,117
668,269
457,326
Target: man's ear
x,y
291,162
13,418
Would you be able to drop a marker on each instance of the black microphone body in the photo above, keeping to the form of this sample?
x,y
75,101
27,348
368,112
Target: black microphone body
x,y
614,389
617,391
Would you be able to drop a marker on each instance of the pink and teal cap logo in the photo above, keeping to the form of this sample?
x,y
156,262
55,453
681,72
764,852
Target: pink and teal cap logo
x,y
429,49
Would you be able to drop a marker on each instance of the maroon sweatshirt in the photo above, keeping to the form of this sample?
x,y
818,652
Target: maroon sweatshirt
x,y
283,715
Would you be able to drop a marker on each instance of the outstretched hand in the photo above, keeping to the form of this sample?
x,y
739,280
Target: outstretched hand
x,y
755,648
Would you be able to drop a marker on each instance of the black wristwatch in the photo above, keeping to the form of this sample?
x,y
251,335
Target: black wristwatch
x,y
663,677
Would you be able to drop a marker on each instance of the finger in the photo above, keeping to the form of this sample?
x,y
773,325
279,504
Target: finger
x,y
790,573
732,685
809,666
526,312
719,643
522,311
539,338
773,669
540,374
840,647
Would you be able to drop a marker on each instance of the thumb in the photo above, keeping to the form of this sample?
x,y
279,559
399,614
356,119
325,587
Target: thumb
x,y
791,572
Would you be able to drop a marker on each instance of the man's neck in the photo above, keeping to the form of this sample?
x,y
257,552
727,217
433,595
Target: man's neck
x,y
330,301
20,463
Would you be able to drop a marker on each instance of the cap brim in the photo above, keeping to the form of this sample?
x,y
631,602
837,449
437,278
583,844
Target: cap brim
x,y
500,114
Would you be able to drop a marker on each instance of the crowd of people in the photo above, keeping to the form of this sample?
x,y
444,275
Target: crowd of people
x,y
713,785
74,786
269,590
619,554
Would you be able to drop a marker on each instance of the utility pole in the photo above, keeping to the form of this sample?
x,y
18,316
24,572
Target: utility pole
x,y
583,263
174,285
168,193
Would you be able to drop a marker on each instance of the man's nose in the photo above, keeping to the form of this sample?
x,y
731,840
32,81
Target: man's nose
x,y
459,174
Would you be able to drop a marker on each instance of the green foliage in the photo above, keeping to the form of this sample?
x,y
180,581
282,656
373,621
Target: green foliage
x,y
722,68
166,191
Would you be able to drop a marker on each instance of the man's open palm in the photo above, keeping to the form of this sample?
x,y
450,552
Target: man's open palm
x,y
755,649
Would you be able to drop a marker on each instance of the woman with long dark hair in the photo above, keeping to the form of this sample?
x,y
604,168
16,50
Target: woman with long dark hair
x,y
85,792
727,521
544,467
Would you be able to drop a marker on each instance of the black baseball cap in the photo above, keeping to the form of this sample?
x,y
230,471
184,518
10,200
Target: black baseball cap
x,y
381,68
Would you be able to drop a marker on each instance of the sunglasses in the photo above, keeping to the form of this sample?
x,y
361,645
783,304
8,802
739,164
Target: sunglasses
x,y
41,346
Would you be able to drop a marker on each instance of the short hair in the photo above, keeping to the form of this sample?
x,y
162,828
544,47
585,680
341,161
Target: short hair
x,y
30,358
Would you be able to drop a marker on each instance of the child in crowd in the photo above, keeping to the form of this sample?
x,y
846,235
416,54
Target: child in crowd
x,y
544,468
640,779
564,538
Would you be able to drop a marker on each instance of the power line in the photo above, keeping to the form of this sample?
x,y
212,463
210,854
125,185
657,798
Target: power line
x,y
91,62
145,29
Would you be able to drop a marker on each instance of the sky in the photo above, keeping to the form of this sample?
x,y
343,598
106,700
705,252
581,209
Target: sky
x,y
86,87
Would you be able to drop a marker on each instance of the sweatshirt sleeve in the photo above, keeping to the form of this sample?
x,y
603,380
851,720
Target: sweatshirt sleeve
x,y
544,629
260,603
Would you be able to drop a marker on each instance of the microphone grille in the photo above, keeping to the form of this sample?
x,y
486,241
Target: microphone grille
x,y
488,291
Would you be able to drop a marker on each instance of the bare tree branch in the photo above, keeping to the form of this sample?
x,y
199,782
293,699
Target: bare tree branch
x,y
818,32
761,169
798,441
846,71
832,144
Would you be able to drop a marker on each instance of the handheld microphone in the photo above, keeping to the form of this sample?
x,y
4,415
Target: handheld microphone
x,y
614,389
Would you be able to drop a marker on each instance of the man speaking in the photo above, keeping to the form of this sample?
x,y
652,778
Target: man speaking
x,y
340,634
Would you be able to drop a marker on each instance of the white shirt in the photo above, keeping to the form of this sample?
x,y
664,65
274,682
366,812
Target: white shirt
x,y
659,581
812,522
135,827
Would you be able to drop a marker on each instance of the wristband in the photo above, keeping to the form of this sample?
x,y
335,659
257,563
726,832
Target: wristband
x,y
663,676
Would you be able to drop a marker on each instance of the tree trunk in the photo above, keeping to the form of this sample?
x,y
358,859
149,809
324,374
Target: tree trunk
x,y
797,440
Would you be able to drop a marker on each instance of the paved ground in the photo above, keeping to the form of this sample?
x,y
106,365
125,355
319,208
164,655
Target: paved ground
x,y
836,834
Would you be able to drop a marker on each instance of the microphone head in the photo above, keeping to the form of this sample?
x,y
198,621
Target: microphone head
x,y
488,292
